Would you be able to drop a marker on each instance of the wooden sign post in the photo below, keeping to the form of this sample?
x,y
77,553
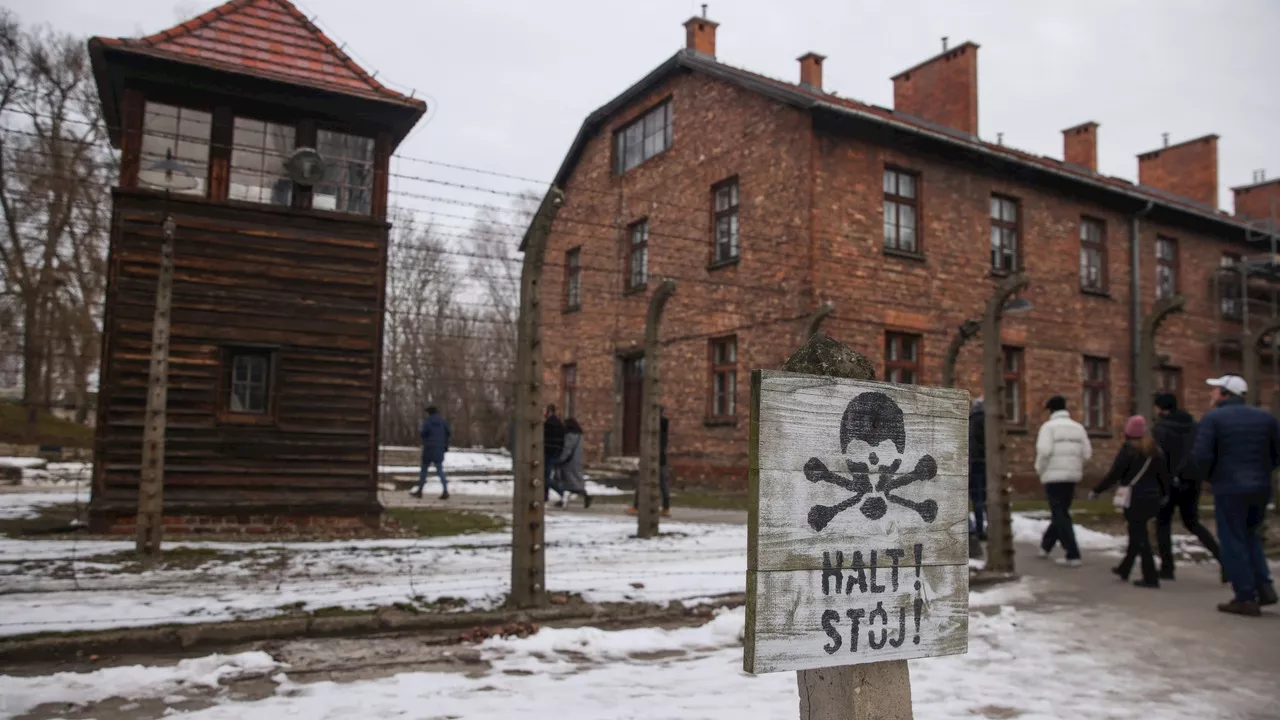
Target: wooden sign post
x,y
858,531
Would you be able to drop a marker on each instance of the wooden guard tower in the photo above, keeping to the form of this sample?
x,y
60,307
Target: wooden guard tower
x,y
278,287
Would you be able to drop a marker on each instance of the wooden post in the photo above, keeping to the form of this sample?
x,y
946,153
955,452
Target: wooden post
x,y
879,690
151,477
999,509
651,416
1144,385
528,562
837,693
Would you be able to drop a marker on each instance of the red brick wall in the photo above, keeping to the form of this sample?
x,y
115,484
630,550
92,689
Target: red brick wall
x,y
1189,169
1255,201
1080,145
812,218
943,90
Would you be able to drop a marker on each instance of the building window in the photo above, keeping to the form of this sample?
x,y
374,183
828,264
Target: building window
x,y
725,207
1093,256
1097,399
573,279
900,231
724,377
1004,234
1169,380
644,138
246,386
180,134
1013,398
1166,267
637,255
569,381
901,358
348,173
258,153
1230,288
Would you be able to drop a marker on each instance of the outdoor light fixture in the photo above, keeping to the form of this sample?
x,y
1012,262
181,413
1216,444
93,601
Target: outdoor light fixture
x,y
1017,305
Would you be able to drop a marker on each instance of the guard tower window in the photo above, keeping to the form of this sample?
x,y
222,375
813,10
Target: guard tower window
x,y
182,134
259,151
348,174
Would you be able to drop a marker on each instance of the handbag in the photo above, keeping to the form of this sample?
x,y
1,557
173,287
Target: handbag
x,y
1124,493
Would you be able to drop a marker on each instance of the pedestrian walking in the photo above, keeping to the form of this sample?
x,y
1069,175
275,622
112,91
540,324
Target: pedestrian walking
x,y
1175,432
1062,449
435,443
570,474
1238,446
978,467
552,446
1140,474
664,473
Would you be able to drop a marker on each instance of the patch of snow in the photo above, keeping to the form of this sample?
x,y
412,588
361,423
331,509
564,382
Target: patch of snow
x,y
22,462
484,487
18,695
1003,594
457,460
16,506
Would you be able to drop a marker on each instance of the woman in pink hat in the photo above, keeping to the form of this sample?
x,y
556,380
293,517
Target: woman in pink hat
x,y
1141,477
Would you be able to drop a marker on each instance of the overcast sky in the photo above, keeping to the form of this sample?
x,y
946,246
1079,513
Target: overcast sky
x,y
510,81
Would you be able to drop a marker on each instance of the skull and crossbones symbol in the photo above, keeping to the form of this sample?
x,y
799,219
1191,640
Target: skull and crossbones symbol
x,y
872,418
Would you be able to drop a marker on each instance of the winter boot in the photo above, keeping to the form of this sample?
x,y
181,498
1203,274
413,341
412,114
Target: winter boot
x,y
443,496
1236,607
1267,595
586,501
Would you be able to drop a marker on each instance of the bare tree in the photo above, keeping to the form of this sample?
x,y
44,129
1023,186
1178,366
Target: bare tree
x,y
54,168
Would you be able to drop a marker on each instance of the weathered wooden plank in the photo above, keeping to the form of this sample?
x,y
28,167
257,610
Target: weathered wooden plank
x,y
798,623
859,497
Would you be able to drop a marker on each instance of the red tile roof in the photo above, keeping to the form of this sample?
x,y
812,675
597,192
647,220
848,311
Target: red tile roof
x,y
264,38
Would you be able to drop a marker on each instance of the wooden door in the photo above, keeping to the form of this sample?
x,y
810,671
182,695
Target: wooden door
x,y
632,399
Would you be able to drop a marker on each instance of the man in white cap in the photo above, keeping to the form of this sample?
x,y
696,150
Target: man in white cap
x,y
1238,447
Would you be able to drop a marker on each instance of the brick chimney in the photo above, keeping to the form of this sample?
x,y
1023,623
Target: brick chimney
x,y
1256,201
1080,145
1188,169
811,70
700,35
942,90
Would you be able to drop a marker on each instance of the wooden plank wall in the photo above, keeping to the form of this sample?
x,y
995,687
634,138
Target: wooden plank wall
x,y
310,287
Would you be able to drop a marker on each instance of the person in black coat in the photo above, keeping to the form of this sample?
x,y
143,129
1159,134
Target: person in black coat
x,y
978,466
1175,432
1141,468
552,445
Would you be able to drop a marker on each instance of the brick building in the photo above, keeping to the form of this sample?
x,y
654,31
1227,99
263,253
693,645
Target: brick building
x,y
764,199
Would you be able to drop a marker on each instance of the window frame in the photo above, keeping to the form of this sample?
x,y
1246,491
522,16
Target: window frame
x,y
235,146
898,201
1015,227
203,174
1170,263
1090,385
1230,282
1018,377
620,141
569,389
1163,374
915,366
1098,245
733,213
729,369
227,355
634,248
573,279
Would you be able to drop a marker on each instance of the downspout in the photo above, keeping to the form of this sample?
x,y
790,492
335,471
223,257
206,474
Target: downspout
x,y
1135,301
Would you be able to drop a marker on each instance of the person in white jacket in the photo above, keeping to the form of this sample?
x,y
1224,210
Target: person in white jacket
x,y
1062,449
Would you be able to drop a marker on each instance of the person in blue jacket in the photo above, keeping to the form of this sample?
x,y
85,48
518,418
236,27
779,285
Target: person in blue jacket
x,y
435,443
1238,447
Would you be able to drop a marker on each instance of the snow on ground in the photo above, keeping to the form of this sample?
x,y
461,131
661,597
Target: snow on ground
x,y
20,694
456,461
15,506
593,555
21,462
502,486
36,472
1029,527
1029,664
